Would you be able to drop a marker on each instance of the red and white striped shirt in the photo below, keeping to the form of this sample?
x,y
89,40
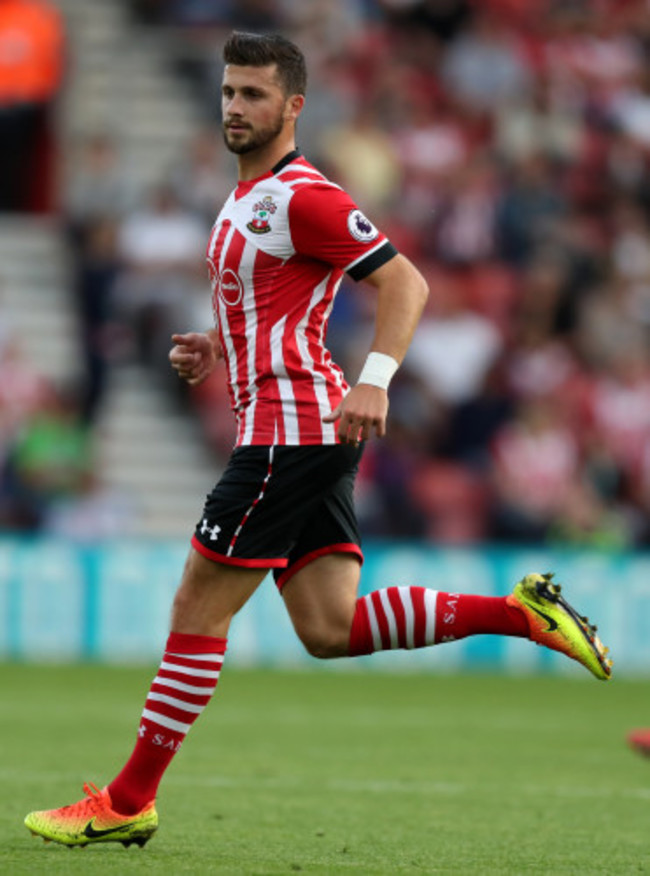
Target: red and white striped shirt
x,y
276,257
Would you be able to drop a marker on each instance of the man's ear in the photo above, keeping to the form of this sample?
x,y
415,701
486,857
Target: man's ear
x,y
293,106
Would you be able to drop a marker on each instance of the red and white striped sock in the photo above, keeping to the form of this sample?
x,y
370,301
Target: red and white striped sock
x,y
398,617
414,617
185,682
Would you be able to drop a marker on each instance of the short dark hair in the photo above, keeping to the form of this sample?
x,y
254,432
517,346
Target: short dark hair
x,y
260,50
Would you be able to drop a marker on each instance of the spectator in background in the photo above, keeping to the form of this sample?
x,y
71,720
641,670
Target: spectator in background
x,y
464,224
630,109
586,520
474,422
98,187
630,253
48,459
149,11
199,179
162,250
431,146
591,55
609,322
444,20
530,204
539,363
31,70
252,14
22,392
49,481
620,409
388,504
198,25
454,347
336,102
486,66
96,275
328,27
536,463
99,194
363,160
537,123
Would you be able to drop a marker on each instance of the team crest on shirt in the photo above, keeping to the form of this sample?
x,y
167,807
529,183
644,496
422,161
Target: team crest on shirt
x,y
262,212
360,227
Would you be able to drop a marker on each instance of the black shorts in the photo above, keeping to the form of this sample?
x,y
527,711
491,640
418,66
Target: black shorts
x,y
281,507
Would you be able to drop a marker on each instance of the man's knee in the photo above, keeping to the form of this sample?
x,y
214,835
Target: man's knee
x,y
326,644
183,602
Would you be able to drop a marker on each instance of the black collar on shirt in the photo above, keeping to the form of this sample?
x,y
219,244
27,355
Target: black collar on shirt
x,y
288,158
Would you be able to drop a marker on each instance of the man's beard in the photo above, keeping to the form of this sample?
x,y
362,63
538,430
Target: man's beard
x,y
256,139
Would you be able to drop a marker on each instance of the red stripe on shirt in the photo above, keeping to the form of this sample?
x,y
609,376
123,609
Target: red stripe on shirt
x,y
316,331
265,274
236,327
307,409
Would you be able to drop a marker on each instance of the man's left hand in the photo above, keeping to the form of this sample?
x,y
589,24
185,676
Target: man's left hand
x,y
362,412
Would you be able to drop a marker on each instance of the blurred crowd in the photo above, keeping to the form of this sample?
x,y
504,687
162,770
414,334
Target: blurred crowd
x,y
504,146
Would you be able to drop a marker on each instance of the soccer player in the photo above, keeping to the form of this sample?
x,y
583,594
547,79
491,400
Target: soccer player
x,y
276,256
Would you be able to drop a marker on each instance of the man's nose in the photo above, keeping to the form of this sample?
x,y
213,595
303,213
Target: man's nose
x,y
233,106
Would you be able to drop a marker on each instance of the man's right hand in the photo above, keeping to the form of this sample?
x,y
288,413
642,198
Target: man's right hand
x,y
194,355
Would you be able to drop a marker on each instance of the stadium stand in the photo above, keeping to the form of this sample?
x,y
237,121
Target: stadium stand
x,y
504,148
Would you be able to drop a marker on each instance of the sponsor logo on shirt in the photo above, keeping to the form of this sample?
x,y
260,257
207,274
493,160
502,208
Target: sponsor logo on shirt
x,y
262,212
360,227
231,288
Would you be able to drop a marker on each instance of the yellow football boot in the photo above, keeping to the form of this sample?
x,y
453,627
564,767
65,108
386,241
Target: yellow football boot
x,y
92,820
554,623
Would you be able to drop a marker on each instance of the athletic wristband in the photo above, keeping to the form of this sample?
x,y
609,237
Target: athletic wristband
x,y
378,370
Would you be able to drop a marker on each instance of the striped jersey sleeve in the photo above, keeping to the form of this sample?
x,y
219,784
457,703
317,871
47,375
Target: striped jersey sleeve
x,y
327,225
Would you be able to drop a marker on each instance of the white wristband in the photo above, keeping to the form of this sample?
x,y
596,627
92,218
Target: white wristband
x,y
378,370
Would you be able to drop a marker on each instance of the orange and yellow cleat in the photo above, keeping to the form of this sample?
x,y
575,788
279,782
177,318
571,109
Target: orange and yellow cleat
x,y
92,820
552,622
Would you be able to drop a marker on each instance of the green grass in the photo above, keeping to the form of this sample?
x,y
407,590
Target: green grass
x,y
341,773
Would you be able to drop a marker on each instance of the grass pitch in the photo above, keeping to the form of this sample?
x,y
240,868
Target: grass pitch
x,y
341,773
